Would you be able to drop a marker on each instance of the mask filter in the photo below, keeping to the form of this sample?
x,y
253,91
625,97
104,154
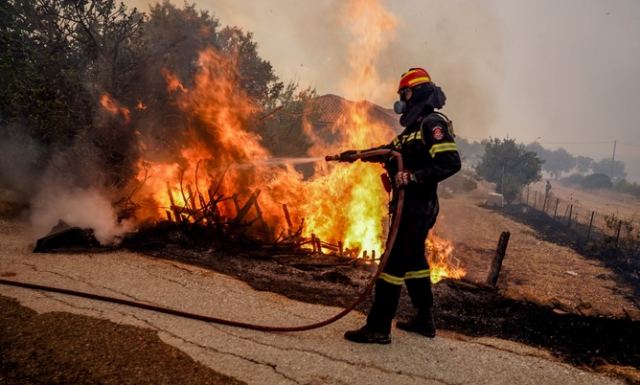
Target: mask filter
x,y
399,107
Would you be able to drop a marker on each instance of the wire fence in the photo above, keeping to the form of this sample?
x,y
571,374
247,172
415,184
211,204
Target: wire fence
x,y
590,227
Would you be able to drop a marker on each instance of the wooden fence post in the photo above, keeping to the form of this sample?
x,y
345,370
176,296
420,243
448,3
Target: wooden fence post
x,y
590,225
496,265
618,236
570,214
555,212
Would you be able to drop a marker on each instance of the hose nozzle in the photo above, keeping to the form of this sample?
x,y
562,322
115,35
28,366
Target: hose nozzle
x,y
347,156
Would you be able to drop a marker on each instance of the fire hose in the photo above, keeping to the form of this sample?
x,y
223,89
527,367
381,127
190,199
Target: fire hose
x,y
391,237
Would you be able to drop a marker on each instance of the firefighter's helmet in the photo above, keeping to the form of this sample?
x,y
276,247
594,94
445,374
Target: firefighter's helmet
x,y
413,77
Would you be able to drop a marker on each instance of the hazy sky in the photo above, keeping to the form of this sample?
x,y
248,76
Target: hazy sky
x,y
565,73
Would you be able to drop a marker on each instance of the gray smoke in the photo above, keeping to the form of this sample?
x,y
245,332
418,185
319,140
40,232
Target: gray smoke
x,y
19,156
58,185
458,42
85,208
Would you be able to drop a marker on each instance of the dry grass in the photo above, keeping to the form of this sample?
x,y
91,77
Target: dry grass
x,y
534,269
606,202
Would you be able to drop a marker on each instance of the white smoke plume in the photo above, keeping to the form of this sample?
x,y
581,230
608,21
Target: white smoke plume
x,y
85,208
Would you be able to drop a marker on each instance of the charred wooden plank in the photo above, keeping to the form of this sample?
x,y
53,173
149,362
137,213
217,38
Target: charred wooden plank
x,y
242,212
287,217
191,198
263,224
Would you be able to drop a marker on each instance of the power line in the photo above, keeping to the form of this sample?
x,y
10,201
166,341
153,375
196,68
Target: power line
x,y
620,143
594,142
628,144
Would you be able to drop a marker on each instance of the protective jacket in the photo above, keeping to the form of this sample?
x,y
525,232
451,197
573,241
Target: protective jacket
x,y
431,155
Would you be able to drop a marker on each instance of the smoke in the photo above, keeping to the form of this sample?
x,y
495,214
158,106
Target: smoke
x,y
85,208
19,157
62,182
459,42
60,185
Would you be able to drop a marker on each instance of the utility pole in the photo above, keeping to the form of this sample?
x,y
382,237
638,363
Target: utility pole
x,y
613,159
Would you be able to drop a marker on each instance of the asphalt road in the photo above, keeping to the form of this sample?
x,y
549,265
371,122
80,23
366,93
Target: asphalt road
x,y
316,357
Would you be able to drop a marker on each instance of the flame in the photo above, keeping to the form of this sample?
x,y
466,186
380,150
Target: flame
x,y
113,107
344,203
348,202
372,27
215,139
441,260
339,203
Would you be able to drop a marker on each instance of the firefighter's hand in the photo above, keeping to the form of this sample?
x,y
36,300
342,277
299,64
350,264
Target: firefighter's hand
x,y
348,156
404,178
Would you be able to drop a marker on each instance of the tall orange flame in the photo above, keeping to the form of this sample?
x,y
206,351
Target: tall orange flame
x,y
351,195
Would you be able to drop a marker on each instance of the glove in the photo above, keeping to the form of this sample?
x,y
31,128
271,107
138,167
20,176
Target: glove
x,y
348,156
404,178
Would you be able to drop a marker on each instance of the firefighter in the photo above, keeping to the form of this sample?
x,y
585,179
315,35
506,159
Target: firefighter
x,y
430,155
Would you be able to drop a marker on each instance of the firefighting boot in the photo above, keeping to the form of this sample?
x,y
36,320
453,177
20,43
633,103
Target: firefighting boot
x,y
378,327
366,336
421,324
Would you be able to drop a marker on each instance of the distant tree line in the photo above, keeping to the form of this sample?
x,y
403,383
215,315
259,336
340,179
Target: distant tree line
x,y
512,166
558,162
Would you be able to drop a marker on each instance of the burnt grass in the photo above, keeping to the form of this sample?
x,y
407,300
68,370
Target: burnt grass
x,y
461,308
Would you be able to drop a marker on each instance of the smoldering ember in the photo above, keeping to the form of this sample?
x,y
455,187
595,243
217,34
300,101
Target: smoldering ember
x,y
179,203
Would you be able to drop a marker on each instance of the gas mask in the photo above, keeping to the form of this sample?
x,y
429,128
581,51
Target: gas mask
x,y
399,107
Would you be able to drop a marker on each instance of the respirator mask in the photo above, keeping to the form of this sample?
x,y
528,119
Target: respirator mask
x,y
401,106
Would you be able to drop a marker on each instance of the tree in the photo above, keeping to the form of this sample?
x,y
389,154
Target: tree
x,y
174,36
616,172
471,152
281,128
583,163
58,57
558,161
555,162
509,165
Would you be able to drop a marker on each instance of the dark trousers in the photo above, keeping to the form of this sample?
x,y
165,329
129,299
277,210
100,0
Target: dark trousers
x,y
407,264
